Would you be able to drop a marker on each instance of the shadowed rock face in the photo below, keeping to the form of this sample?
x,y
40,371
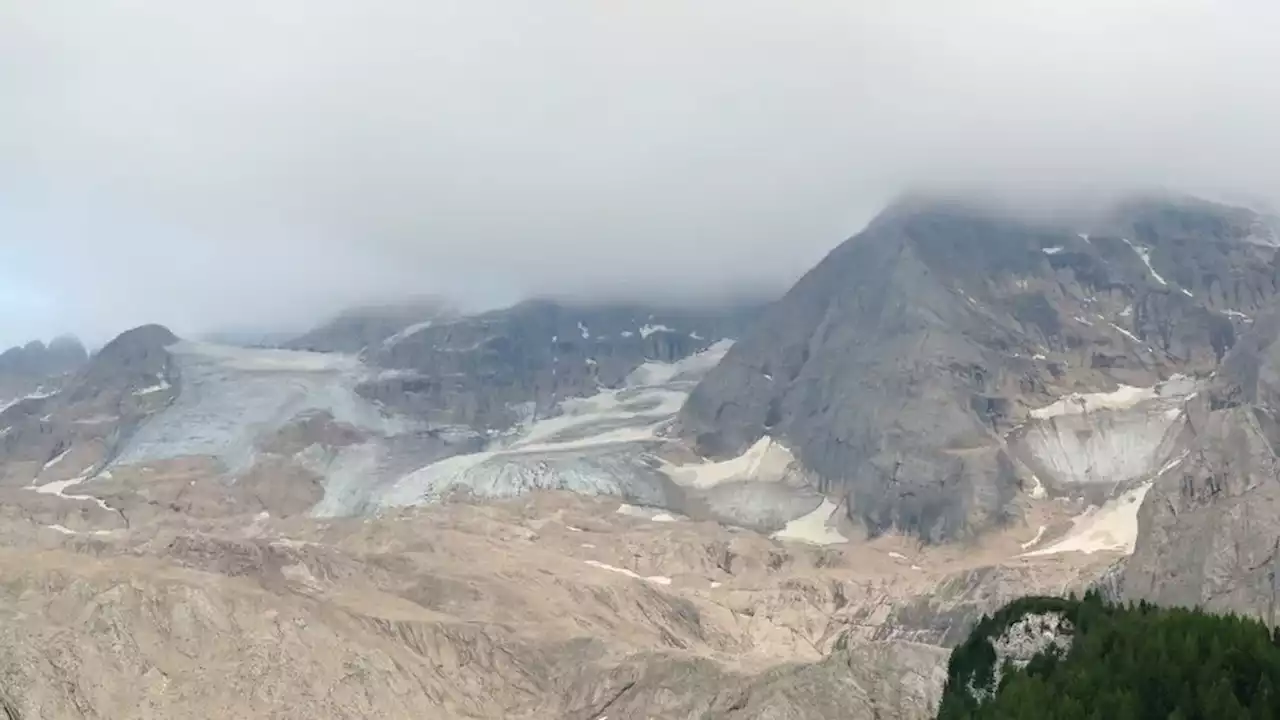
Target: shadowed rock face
x,y
893,368
480,370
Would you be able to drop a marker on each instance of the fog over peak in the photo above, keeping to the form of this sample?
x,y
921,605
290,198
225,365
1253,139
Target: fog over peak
x,y
208,165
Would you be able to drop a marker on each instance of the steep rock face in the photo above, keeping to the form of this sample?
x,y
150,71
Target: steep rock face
x,y
62,355
359,328
35,367
494,369
59,435
895,367
1210,527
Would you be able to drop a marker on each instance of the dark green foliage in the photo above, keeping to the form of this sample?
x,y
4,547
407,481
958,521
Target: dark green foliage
x,y
1138,661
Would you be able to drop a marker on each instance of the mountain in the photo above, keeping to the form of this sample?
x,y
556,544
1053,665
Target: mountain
x,y
896,369
81,422
555,509
24,369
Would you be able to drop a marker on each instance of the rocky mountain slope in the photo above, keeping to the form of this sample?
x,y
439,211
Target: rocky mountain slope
x,y
1210,529
895,369
748,511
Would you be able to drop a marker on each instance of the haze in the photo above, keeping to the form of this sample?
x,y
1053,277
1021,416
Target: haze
x,y
243,164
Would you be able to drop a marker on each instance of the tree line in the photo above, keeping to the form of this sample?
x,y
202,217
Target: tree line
x,y
1139,662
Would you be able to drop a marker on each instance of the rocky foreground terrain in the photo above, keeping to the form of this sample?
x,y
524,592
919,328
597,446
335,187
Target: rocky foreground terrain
x,y
564,511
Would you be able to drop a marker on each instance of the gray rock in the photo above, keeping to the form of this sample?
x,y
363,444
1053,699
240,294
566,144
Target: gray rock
x,y
36,367
358,328
79,427
1209,530
485,371
894,367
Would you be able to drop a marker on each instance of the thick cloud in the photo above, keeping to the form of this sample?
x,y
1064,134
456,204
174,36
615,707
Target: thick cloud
x,y
208,164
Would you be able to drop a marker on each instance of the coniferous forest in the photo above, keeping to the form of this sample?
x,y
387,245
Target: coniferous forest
x,y
1138,661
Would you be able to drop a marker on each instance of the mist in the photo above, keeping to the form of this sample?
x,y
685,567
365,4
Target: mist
x,y
245,164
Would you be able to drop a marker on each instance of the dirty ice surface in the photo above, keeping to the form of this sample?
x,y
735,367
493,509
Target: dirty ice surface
x,y
1107,437
596,445
231,397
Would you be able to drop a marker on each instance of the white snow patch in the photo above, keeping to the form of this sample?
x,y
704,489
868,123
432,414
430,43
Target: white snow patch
x,y
1037,488
644,513
696,336
1112,527
1032,542
813,528
1173,463
1127,311
1186,292
1145,254
591,362
1235,314
1052,250
648,330
627,333
1082,321
1126,333
68,531
160,386
582,329
406,333
897,556
1080,403
715,585
58,459
1038,356
1083,236
656,579
58,487
764,460
37,395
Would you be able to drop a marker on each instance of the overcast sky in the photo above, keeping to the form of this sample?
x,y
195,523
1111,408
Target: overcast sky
x,y
249,163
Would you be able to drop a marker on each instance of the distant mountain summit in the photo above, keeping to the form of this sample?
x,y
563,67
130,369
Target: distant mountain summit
x,y
64,354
